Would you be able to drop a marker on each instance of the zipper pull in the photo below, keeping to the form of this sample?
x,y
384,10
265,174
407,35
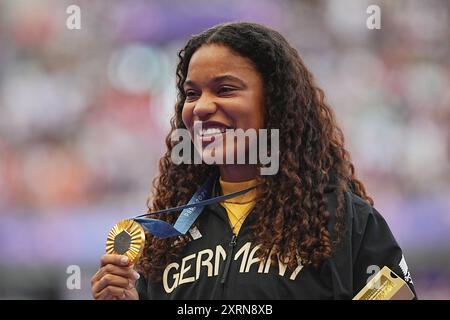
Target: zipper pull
x,y
231,246
233,241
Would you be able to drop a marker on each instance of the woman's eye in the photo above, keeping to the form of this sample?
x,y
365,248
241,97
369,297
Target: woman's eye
x,y
191,94
226,90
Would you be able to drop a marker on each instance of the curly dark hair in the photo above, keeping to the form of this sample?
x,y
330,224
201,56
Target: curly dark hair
x,y
292,217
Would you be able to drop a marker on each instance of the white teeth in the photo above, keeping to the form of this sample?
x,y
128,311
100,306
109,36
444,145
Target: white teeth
x,y
212,131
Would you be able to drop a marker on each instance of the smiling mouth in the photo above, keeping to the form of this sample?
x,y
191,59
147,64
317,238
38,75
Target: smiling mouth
x,y
210,131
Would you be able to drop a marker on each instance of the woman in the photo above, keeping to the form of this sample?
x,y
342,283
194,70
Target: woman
x,y
307,232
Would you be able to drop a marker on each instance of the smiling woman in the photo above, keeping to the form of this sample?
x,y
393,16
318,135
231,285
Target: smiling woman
x,y
310,231
223,91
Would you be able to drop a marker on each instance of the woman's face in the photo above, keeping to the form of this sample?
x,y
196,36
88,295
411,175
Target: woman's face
x,y
223,91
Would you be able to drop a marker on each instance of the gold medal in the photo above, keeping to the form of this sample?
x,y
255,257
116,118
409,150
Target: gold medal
x,y
127,238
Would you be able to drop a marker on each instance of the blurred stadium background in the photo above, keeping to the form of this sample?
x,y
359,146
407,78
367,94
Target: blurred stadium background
x,y
83,115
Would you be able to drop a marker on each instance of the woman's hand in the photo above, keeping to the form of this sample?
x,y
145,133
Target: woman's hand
x,y
115,279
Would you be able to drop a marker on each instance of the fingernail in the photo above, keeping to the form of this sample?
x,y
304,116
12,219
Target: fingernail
x,y
124,260
130,286
136,275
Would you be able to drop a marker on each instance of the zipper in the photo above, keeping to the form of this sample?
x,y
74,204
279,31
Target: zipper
x,y
230,250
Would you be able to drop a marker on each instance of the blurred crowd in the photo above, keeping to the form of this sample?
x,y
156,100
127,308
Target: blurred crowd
x,y
84,113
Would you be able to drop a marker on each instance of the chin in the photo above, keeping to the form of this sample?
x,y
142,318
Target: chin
x,y
209,158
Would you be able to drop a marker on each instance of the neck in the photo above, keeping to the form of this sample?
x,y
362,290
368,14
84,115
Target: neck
x,y
238,173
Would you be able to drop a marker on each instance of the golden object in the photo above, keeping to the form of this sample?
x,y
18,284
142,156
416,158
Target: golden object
x,y
127,237
385,285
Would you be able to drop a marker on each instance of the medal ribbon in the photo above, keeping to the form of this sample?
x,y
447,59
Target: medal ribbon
x,y
189,212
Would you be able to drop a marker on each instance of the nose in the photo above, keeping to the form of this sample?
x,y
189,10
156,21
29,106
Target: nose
x,y
204,107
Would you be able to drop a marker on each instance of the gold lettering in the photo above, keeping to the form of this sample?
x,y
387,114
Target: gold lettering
x,y
175,277
207,263
296,271
220,252
252,260
281,267
185,269
268,261
243,250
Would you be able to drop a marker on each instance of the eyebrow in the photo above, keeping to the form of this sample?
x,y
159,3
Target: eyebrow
x,y
219,79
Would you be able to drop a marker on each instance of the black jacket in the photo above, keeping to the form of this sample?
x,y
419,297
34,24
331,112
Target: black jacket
x,y
219,266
